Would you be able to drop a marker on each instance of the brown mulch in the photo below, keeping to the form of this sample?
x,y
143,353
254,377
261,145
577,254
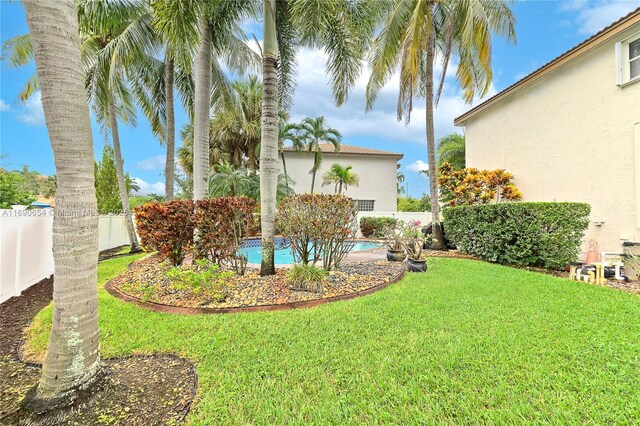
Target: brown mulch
x,y
18,312
138,390
147,280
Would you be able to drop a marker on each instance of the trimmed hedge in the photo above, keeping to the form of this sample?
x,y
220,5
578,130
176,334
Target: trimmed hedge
x,y
376,226
526,234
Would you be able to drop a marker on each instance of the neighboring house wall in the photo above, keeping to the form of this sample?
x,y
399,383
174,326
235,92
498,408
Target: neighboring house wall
x,y
378,176
570,136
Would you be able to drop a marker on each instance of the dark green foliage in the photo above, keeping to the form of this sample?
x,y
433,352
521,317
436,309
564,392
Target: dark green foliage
x,y
527,234
306,278
12,191
107,183
376,226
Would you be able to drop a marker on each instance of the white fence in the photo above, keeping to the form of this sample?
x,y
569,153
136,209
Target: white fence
x,y
26,242
423,217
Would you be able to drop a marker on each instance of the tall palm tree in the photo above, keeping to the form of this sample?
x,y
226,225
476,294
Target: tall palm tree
x,y
340,176
451,149
234,181
343,29
314,133
218,26
72,360
413,31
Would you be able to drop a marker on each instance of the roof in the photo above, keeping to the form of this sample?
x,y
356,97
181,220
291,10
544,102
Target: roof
x,y
328,148
597,39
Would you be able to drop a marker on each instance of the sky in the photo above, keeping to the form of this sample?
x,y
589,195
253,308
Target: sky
x,y
545,29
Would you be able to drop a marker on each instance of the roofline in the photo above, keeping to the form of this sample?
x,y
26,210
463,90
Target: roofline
x,y
597,39
355,154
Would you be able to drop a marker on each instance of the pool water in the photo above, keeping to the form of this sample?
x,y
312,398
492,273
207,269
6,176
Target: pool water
x,y
283,256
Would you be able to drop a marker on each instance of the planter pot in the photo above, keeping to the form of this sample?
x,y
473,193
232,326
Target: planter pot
x,y
416,265
395,255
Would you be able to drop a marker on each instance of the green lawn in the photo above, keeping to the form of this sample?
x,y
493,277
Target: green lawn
x,y
466,342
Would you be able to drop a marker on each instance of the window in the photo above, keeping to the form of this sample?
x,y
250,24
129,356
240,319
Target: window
x,y
634,59
628,60
365,205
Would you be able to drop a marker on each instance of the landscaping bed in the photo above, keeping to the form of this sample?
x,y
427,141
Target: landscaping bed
x,y
138,390
147,280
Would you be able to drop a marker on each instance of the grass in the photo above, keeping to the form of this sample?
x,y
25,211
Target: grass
x,y
467,342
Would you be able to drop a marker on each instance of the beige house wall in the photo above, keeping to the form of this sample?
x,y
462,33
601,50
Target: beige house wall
x,y
377,176
571,136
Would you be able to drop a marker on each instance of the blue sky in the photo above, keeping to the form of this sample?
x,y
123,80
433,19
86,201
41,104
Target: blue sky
x,y
545,29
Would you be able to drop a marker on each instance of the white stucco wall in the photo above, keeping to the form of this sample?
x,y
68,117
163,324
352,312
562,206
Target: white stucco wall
x,y
377,176
569,137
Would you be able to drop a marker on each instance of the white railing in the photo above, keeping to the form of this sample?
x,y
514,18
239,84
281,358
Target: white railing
x,y
423,217
26,242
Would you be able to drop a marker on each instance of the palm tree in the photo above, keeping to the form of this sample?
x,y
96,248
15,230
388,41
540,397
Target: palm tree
x,y
288,132
72,360
314,133
413,31
218,24
340,176
343,29
231,181
451,149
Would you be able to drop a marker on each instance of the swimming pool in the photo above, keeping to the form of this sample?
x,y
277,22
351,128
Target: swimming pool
x,y
253,250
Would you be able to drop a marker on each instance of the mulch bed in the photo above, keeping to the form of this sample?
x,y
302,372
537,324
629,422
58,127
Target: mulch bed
x,y
138,390
146,280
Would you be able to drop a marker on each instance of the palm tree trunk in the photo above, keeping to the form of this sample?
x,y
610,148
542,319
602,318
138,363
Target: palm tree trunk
x,y
269,167
438,240
313,180
72,360
284,168
251,148
170,163
122,184
202,105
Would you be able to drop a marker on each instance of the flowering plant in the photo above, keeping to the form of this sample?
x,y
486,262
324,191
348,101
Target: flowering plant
x,y
413,239
393,236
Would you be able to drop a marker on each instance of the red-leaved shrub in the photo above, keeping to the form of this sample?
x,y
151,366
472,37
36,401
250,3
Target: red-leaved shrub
x,y
222,224
166,227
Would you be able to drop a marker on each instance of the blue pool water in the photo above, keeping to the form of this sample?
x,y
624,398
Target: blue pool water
x,y
283,256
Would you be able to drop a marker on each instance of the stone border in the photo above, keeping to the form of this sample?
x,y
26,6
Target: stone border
x,y
301,304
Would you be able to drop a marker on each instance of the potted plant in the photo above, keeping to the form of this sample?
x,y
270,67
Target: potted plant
x,y
393,241
413,240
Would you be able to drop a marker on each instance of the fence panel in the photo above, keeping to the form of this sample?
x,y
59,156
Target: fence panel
x,y
26,242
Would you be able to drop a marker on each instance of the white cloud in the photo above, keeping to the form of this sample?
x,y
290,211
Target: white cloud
x,y
4,106
152,163
418,166
31,112
149,188
313,98
594,16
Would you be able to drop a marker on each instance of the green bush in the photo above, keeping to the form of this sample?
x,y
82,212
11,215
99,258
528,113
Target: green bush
x,y
527,234
203,277
306,278
376,226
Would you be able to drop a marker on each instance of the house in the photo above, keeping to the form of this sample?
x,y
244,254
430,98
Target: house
x,y
376,169
570,131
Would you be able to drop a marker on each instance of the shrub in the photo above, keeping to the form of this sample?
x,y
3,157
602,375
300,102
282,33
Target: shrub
x,y
376,226
166,227
528,234
318,226
472,186
306,278
203,277
222,224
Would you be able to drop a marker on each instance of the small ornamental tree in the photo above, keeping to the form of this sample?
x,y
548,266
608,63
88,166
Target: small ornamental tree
x,y
166,227
223,223
472,186
318,227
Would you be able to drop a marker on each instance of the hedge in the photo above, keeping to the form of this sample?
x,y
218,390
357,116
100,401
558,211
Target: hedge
x,y
376,226
526,234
